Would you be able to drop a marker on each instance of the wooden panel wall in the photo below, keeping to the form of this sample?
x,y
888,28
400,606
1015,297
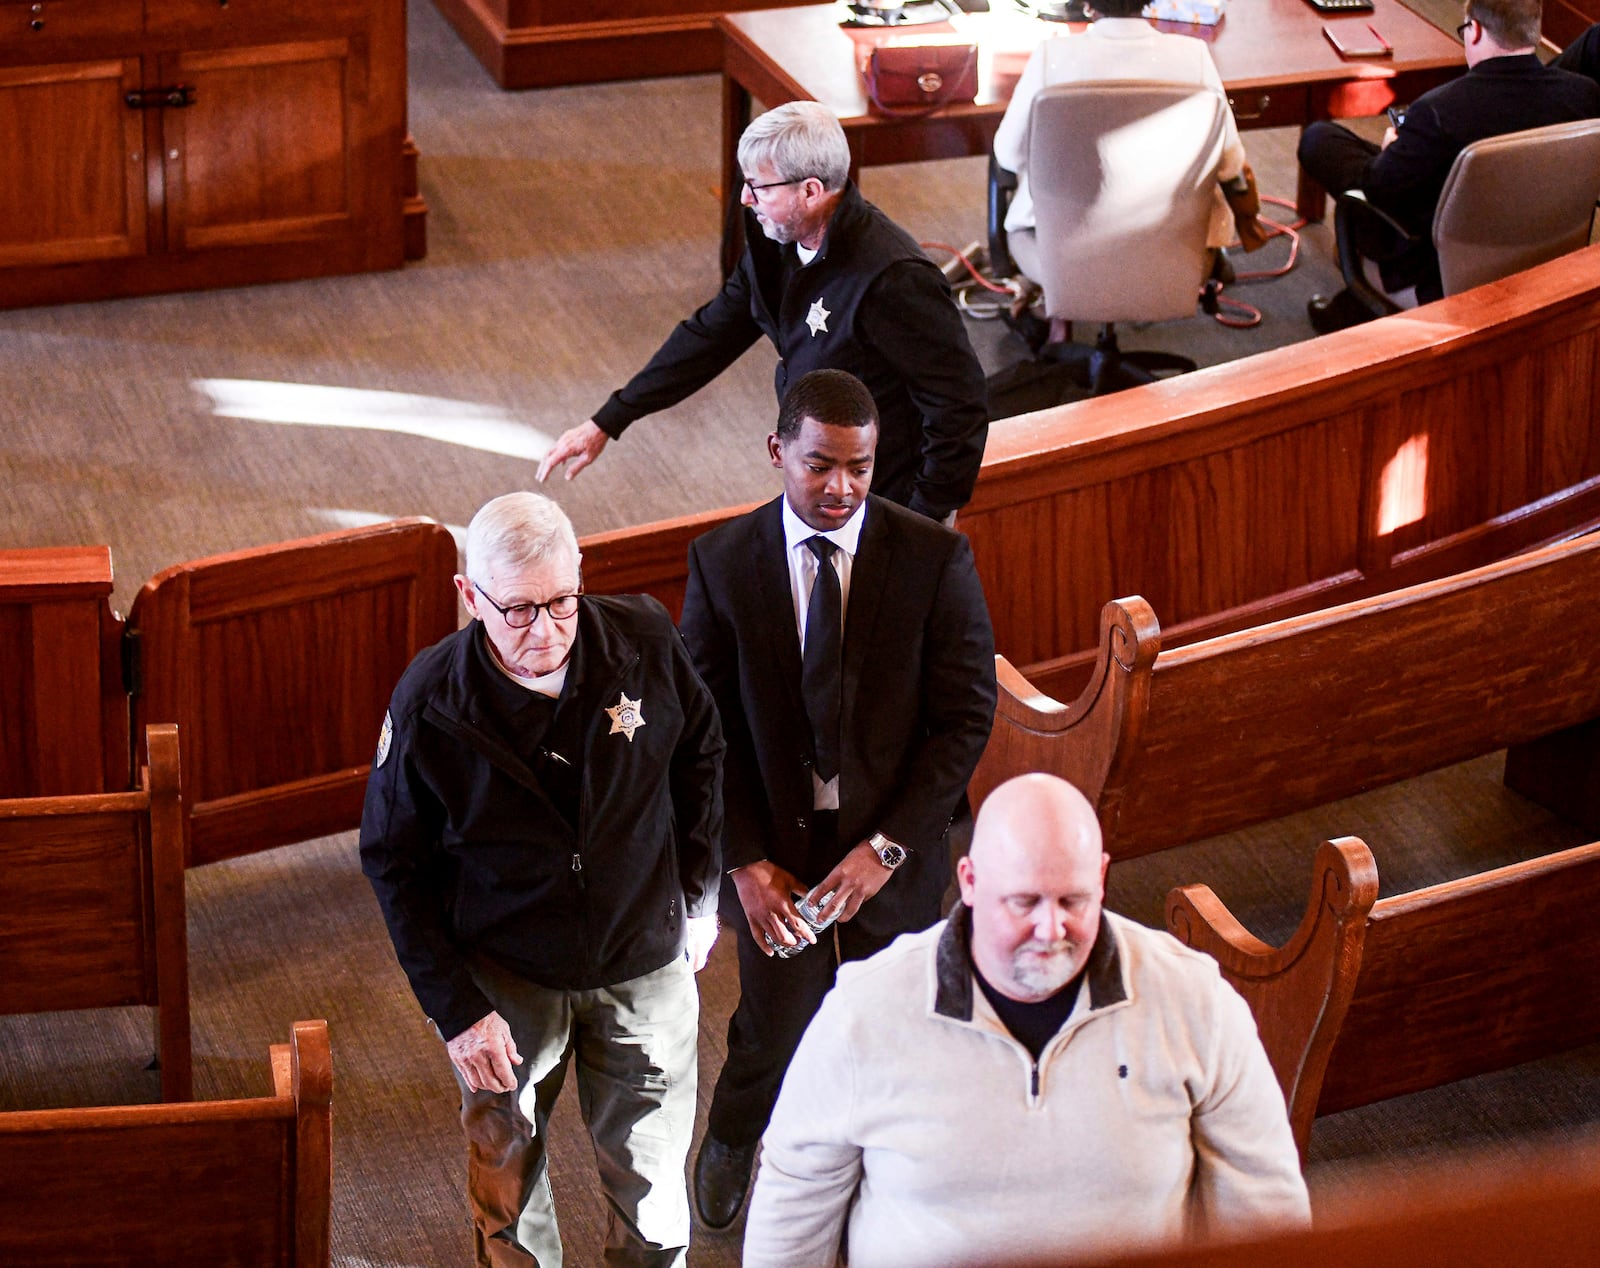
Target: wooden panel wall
x,y
540,43
1410,448
1565,20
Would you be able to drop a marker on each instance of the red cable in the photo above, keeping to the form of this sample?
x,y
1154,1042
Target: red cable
x,y
1252,315
977,277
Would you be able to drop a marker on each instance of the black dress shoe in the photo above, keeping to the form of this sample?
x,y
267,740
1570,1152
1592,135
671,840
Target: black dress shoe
x,y
721,1179
1222,267
1338,312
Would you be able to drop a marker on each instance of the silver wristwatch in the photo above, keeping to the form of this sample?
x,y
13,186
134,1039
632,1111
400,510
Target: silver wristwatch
x,y
889,854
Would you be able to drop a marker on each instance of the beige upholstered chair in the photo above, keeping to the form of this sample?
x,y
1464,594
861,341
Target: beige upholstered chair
x,y
1514,201
1123,177
1509,202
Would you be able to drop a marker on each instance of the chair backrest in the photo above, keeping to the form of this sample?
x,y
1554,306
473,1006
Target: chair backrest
x,y
1123,177
1517,200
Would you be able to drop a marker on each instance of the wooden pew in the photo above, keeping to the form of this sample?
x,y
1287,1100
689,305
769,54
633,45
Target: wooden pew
x,y
1403,450
244,1182
1370,1000
1537,1209
278,663
63,712
1173,746
94,912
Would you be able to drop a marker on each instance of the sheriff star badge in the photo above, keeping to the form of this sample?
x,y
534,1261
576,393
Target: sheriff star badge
x,y
627,716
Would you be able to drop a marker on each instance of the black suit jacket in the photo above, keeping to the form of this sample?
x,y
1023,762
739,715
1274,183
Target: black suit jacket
x,y
1500,95
918,682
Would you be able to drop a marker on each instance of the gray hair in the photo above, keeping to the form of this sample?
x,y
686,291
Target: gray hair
x,y
517,529
800,139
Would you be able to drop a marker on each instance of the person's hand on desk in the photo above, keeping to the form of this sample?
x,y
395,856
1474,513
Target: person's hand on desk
x,y
577,447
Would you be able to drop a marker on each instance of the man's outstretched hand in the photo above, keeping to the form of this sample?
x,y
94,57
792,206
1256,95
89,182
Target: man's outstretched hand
x,y
577,447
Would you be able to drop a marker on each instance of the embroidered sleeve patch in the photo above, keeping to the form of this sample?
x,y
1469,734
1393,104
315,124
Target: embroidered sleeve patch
x,y
385,735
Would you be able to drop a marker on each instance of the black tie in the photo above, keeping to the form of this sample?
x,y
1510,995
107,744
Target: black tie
x,y
819,673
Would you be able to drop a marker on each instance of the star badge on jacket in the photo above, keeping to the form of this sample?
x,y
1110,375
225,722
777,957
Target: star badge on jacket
x,y
627,716
817,318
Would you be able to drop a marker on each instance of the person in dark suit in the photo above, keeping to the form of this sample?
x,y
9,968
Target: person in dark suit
x,y
1505,89
1582,56
848,647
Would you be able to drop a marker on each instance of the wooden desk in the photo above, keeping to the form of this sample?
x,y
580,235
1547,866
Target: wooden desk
x,y
1278,68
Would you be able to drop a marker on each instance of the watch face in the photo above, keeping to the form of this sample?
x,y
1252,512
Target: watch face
x,y
891,855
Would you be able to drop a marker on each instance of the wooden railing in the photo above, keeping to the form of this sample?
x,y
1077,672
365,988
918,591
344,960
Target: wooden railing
x,y
1407,449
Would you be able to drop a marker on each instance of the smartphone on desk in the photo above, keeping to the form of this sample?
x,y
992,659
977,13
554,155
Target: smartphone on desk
x,y
1397,116
1356,43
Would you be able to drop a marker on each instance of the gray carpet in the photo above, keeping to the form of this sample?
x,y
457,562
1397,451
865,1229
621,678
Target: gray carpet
x,y
568,230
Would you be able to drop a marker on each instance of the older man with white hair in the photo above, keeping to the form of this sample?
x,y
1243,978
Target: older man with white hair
x,y
541,830
1033,1079
835,285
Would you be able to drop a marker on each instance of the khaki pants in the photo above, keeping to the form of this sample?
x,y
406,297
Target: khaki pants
x,y
637,1061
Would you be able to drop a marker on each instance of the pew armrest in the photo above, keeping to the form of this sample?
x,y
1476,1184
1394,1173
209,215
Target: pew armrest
x,y
1298,993
1089,741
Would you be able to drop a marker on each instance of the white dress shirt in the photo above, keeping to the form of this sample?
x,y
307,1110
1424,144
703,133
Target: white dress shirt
x,y
802,576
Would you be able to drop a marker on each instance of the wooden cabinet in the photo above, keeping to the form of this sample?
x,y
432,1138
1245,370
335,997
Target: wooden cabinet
x,y
157,145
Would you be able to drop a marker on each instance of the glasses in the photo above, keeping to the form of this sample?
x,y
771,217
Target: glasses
x,y
755,190
1461,31
519,616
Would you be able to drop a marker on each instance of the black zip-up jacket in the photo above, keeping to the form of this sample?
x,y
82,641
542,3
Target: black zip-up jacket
x,y
870,303
464,837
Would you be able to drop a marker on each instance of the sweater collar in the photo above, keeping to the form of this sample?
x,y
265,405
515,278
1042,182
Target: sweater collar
x,y
954,987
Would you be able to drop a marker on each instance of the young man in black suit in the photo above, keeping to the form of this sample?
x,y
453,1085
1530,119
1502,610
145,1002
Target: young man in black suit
x,y
1505,89
848,647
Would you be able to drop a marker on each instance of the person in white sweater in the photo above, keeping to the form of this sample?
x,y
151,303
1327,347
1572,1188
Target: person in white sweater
x,y
1031,1077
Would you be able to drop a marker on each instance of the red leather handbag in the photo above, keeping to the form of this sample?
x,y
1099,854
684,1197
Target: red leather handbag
x,y
919,78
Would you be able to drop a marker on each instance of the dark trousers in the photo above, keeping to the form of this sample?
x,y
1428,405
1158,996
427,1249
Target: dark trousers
x,y
778,998
1336,158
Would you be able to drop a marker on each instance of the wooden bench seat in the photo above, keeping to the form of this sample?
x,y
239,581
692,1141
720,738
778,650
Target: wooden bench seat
x,y
1374,999
1174,746
239,1182
94,912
